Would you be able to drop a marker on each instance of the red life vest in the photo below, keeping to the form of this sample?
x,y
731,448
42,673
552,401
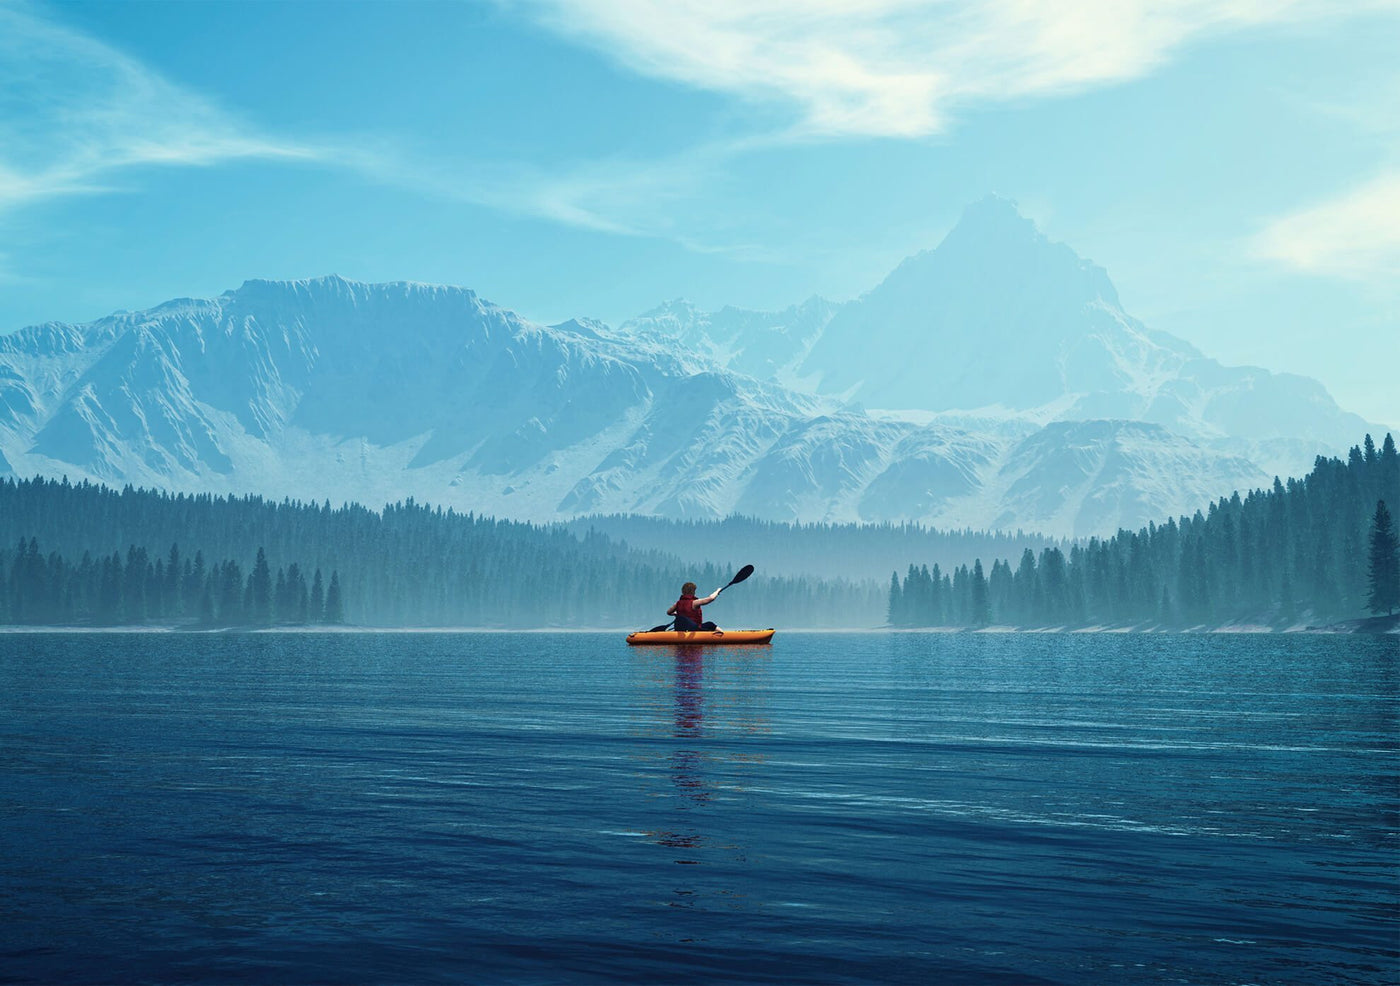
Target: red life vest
x,y
685,606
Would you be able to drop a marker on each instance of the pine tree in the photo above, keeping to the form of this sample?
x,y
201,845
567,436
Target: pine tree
x,y
282,608
1384,570
195,586
173,604
981,609
318,600
260,591
335,607
230,593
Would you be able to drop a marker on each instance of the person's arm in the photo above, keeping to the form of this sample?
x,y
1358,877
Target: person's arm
x,y
672,610
709,599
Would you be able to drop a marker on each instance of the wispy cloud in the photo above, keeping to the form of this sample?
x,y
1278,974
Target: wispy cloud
x,y
74,112
1356,234
901,68
618,194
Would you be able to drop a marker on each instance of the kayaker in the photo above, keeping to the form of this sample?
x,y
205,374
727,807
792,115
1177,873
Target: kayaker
x,y
687,612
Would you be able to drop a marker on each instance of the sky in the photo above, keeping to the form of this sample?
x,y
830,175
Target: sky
x,y
1234,164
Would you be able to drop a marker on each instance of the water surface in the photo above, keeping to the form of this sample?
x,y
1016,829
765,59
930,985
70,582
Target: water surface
x,y
952,808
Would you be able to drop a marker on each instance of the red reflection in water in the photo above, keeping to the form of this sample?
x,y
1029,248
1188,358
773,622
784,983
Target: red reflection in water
x,y
690,722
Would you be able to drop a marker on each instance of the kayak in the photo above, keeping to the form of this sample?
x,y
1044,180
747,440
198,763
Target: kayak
x,y
700,636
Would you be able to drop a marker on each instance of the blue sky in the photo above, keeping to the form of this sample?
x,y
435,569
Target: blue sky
x,y
1234,164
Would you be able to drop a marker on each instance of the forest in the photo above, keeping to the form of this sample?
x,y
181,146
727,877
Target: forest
x,y
852,551
50,590
1309,550
86,554
1314,550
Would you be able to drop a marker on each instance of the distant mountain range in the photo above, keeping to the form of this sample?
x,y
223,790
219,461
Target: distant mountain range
x,y
1009,391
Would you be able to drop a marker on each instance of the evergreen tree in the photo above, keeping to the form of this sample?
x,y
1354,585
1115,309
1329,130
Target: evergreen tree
x,y
109,605
174,604
316,614
1024,583
298,600
194,588
335,607
134,589
981,609
1384,569
282,608
260,591
230,597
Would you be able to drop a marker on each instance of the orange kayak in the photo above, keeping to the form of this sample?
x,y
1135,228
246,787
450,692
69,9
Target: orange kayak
x,y
701,636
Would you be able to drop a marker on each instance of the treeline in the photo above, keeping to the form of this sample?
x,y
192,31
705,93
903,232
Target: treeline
x,y
50,590
407,565
1307,549
851,551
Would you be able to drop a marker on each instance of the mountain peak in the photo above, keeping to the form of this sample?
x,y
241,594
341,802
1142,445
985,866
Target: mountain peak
x,y
676,308
995,216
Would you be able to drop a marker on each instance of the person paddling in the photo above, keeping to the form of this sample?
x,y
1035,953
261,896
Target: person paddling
x,y
687,611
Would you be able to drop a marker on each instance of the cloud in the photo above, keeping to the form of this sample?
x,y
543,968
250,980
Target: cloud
x,y
1356,234
655,197
74,111
900,68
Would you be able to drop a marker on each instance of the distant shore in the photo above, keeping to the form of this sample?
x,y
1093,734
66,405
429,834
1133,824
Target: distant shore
x,y
1372,625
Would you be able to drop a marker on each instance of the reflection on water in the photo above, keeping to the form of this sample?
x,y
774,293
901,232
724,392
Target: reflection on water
x,y
866,808
698,706
689,724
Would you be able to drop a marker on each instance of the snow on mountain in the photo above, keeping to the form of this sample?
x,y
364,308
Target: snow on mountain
x,y
766,345
1017,394
1085,477
995,315
999,321
374,392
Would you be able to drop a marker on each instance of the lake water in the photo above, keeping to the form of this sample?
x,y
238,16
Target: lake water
x,y
889,808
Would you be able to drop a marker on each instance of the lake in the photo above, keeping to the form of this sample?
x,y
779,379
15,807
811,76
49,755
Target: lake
x,y
890,808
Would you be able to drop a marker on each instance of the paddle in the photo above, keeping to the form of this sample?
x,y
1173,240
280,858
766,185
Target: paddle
x,y
739,576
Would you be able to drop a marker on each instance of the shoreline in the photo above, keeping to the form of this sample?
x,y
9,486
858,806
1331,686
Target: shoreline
x,y
1374,626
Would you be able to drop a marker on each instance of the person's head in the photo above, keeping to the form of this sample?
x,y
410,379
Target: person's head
x,y
688,589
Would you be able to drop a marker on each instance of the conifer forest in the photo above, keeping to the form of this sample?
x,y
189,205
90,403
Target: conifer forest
x,y
1312,550
84,554
852,551
1316,550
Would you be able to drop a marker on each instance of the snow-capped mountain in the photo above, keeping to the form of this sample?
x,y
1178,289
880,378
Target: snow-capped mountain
x,y
766,345
331,389
999,321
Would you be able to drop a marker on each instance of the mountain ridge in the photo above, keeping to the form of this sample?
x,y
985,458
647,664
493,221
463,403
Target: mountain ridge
x,y
374,392
996,283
